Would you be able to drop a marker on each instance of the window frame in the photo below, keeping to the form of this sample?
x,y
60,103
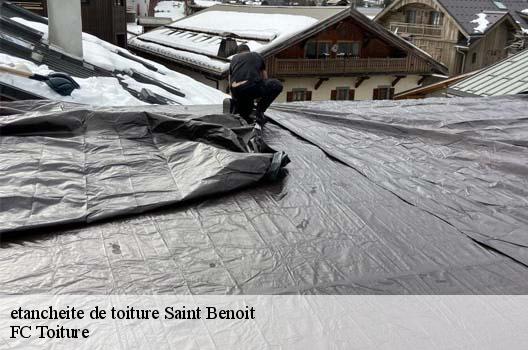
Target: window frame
x,y
296,91
318,43
299,95
352,42
341,89
435,18
387,96
415,16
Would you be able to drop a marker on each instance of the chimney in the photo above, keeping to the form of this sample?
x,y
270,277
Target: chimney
x,y
65,26
228,47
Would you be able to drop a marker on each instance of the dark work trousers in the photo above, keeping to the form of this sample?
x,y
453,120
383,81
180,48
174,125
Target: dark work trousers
x,y
245,96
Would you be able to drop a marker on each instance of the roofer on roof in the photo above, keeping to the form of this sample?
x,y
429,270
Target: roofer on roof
x,y
248,81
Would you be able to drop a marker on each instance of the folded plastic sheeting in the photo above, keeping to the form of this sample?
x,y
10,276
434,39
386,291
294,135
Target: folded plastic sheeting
x,y
464,161
69,164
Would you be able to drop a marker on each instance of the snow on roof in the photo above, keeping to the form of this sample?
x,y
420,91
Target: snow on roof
x,y
206,3
106,56
172,9
482,23
101,91
135,29
196,38
255,25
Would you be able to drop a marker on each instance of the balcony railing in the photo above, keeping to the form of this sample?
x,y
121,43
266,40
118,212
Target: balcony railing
x,y
425,30
306,66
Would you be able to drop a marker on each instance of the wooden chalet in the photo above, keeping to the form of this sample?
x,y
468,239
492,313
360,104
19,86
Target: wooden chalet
x,y
464,35
320,53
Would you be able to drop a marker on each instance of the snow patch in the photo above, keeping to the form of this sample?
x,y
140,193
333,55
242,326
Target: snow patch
x,y
482,23
135,29
257,25
206,3
172,9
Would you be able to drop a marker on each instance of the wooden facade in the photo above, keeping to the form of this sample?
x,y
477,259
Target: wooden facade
x,y
105,19
348,54
427,25
347,49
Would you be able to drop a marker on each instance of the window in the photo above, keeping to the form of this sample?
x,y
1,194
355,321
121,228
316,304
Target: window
x,y
311,49
342,94
383,93
435,18
323,49
317,49
410,16
349,48
500,5
474,58
299,94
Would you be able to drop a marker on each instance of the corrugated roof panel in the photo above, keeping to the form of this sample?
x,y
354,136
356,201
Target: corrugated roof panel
x,y
509,76
516,73
503,88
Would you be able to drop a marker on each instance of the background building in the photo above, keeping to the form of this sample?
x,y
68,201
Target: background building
x,y
464,35
319,53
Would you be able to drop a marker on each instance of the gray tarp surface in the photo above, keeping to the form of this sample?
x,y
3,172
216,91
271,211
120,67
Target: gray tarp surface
x,y
81,164
380,197
464,161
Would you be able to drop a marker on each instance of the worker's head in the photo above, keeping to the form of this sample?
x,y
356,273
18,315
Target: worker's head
x,y
243,48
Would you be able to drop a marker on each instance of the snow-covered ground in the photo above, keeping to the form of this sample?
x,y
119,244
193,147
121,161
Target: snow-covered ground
x,y
108,91
172,9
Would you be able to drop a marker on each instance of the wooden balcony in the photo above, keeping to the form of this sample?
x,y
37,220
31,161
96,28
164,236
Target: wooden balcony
x,y
425,30
344,66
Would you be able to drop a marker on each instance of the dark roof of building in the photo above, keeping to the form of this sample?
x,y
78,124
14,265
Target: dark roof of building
x,y
466,12
408,197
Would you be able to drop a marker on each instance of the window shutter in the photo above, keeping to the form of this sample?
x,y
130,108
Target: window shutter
x,y
289,96
351,94
333,95
391,94
375,95
308,95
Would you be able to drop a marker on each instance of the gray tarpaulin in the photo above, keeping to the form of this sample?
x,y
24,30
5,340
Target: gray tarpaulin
x,y
380,197
82,164
465,161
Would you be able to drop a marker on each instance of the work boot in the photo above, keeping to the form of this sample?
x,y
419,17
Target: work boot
x,y
260,118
